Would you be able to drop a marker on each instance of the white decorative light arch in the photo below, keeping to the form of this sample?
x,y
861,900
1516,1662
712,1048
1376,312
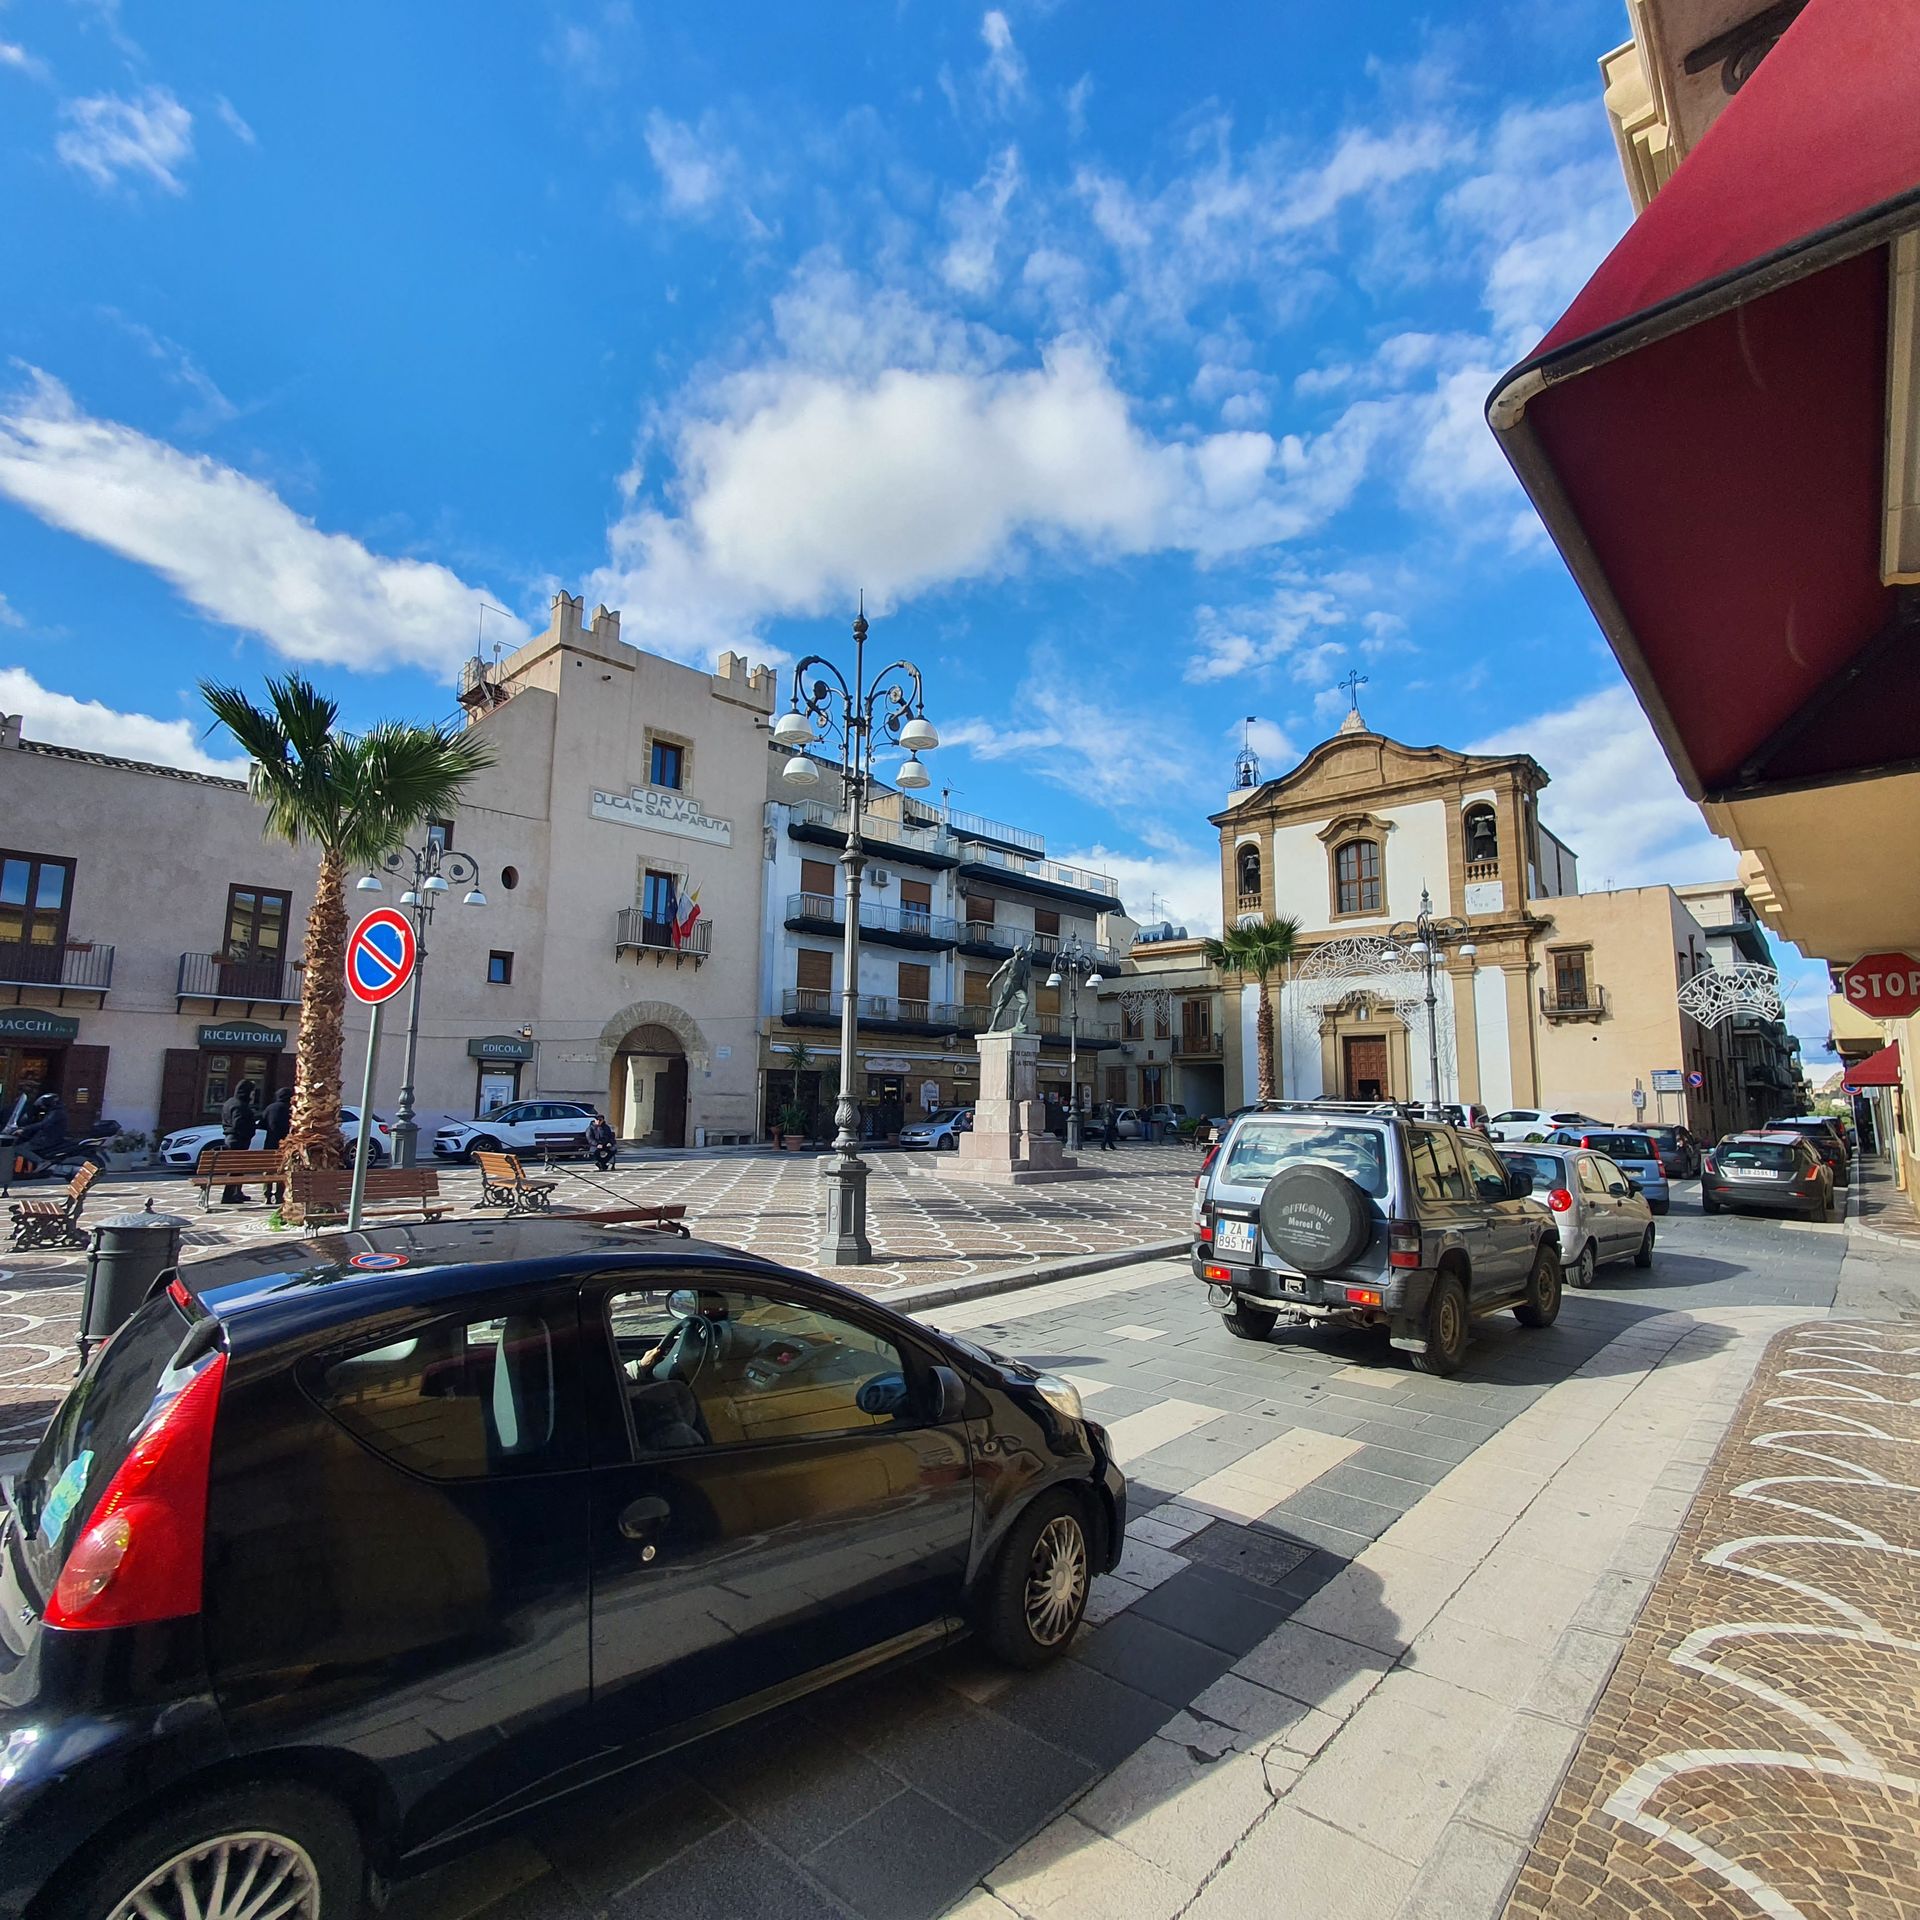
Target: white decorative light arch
x,y
1373,967
1724,993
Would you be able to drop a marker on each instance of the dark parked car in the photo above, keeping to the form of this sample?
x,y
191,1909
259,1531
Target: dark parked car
x,y
1776,1171
1824,1134
342,1553
1679,1151
1364,1216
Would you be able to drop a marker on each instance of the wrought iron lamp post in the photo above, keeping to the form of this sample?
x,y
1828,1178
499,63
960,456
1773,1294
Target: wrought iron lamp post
x,y
435,870
860,715
1073,964
1424,938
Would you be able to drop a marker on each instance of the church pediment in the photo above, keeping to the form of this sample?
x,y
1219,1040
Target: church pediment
x,y
1354,763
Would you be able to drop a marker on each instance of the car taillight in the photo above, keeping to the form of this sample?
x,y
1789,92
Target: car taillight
x,y
141,1555
381,1124
1560,1200
1213,1153
1217,1273
1203,1230
1403,1243
1706,1164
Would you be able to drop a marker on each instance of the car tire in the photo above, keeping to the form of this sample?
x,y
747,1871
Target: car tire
x,y
1583,1268
1708,1204
485,1144
1032,1602
1823,1216
1247,1322
287,1829
1539,1306
1644,1257
1446,1328
1658,1208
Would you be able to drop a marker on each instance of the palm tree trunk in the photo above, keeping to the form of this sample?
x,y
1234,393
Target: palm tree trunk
x,y
314,1140
1263,1034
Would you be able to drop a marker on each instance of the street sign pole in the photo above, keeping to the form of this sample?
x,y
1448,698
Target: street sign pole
x,y
363,1135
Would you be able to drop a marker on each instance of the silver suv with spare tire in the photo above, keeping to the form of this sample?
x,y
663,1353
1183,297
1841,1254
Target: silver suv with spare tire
x,y
1368,1216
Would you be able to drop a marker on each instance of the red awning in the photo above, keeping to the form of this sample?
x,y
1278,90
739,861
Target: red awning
x,y
1880,1069
1703,430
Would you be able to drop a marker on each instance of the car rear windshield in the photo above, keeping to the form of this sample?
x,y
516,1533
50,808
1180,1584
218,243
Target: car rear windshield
x,y
1543,1169
1622,1146
1775,1155
92,1434
1262,1147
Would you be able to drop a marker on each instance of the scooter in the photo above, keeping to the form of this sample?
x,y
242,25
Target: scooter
x,y
66,1159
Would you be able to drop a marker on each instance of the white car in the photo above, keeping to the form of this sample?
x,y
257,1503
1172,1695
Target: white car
x,y
1535,1123
183,1149
1597,1206
527,1127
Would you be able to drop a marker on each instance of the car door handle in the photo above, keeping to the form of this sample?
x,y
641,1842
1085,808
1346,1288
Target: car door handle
x,y
641,1517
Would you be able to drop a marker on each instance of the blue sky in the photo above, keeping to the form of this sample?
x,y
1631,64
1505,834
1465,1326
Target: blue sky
x,y
1130,358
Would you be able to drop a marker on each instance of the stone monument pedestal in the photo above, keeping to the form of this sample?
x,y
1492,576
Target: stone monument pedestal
x,y
1010,1143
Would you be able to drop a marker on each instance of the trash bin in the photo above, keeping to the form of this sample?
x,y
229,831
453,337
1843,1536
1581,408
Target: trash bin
x,y
130,1252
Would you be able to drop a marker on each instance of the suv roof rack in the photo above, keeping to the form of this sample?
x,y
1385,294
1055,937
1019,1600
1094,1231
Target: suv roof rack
x,y
1401,1109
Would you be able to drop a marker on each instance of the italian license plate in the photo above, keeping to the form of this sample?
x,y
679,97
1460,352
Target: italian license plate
x,y
1755,1173
1233,1236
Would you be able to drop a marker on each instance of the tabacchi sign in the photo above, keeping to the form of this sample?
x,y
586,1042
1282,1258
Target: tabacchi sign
x,y
1883,986
664,811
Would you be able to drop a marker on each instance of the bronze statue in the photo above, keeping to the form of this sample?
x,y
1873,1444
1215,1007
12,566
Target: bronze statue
x,y
1012,992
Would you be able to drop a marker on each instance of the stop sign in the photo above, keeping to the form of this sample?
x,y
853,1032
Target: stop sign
x,y
1883,986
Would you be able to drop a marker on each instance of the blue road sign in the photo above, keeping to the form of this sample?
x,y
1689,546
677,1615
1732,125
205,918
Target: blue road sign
x,y
381,952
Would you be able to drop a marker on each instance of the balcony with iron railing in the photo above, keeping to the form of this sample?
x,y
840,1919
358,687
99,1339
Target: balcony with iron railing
x,y
889,925
1196,1046
976,826
270,981
69,966
927,845
1051,877
1585,1002
820,1007
637,932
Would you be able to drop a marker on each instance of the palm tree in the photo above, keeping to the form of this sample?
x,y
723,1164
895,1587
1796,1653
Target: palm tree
x,y
1261,949
354,797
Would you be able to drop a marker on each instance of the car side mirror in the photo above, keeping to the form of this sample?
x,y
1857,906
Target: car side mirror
x,y
1621,1188
1519,1184
949,1396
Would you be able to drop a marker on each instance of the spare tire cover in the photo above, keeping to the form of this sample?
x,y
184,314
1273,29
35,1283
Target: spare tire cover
x,y
1315,1218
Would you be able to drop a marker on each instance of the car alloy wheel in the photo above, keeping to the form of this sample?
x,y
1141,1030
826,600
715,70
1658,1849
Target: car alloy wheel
x,y
1056,1580
1584,1271
236,1876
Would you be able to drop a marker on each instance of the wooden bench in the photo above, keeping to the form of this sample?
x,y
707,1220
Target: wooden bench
x,y
54,1221
504,1183
236,1167
323,1198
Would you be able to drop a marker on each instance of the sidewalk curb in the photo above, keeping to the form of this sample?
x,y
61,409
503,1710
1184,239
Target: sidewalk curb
x,y
1905,1245
913,1300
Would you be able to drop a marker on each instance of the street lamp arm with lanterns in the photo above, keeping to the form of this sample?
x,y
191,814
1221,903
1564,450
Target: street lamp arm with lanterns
x,y
857,714
431,871
1073,965
1425,938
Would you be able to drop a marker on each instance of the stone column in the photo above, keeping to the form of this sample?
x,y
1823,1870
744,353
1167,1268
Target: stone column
x,y
1010,1141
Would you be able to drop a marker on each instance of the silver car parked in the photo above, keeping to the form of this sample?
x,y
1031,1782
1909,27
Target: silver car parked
x,y
1600,1212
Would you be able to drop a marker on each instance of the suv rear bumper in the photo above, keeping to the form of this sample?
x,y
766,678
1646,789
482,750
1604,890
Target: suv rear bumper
x,y
1402,1291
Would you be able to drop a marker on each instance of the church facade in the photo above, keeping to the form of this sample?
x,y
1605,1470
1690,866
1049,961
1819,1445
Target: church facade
x,y
1536,999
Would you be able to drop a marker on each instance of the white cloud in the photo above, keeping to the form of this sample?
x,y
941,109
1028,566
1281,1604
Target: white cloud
x,y
15,56
1304,623
10,615
230,118
1613,797
1006,72
211,408
1181,884
977,219
228,544
108,136
693,167
1075,100
62,721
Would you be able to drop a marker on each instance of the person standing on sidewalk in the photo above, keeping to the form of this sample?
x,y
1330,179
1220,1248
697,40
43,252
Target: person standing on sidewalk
x,y
277,1123
239,1122
1110,1130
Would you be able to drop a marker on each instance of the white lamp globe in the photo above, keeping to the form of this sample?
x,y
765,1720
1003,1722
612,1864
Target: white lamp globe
x,y
912,774
793,730
1418,948
409,898
800,772
1053,979
1468,950
918,736
1094,980
368,883
475,899
433,884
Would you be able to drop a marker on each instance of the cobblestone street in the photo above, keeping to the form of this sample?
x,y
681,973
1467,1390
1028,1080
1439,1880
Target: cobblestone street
x,y
927,1231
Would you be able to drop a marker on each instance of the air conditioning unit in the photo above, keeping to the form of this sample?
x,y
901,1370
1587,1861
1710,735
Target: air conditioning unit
x,y
880,876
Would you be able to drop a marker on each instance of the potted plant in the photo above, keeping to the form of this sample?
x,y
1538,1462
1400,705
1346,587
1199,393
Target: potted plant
x,y
125,1151
793,1128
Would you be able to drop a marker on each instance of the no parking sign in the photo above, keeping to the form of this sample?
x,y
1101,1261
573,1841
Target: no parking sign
x,y
381,952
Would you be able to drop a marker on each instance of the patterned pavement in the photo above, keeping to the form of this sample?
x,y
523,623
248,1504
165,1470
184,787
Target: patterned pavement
x,y
1758,1750
926,1230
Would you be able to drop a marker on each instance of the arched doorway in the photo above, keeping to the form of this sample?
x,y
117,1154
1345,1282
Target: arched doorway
x,y
647,1090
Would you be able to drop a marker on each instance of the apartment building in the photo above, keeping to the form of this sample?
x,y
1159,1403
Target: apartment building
x,y
1766,1057
946,898
1170,1006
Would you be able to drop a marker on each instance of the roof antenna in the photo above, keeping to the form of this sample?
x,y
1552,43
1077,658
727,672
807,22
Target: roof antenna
x,y
1246,763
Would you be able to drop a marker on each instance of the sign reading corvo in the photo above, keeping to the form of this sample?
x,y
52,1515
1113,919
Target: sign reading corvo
x,y
663,810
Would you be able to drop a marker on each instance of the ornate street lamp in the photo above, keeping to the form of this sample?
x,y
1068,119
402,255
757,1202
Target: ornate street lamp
x,y
435,870
1073,964
858,716
1424,938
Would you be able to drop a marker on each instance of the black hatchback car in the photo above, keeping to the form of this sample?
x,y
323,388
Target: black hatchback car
x,y
342,1553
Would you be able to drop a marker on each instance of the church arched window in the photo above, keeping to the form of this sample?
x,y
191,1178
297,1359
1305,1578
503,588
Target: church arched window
x,y
1247,870
1482,833
1356,877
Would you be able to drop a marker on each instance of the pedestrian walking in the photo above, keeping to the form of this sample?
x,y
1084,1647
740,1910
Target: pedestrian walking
x,y
277,1123
1110,1130
239,1122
